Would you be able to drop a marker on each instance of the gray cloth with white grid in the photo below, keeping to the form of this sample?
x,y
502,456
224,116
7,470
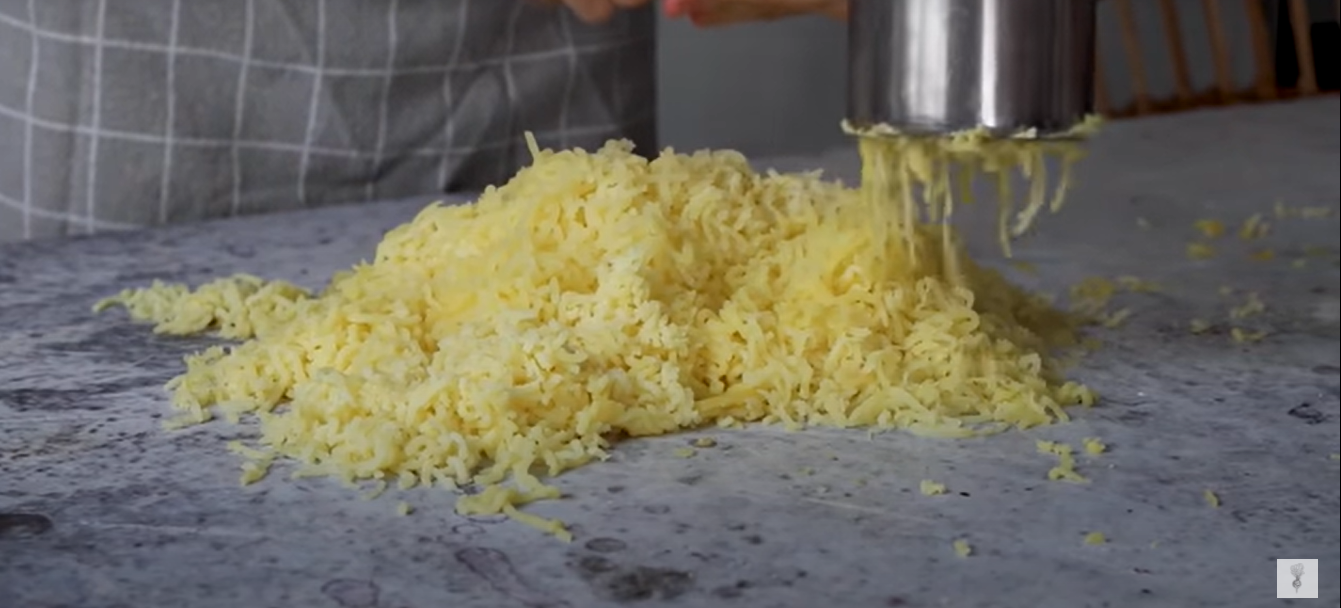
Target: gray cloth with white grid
x,y
127,113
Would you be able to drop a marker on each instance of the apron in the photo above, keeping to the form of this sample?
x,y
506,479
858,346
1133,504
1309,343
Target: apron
x,y
131,113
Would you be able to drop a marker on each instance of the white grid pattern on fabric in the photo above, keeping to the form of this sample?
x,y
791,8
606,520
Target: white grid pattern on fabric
x,y
96,127
240,102
306,163
330,71
196,142
509,77
86,142
273,146
170,121
38,212
449,127
384,105
566,27
34,59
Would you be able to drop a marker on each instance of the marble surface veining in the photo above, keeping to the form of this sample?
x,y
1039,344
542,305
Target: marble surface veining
x,y
99,508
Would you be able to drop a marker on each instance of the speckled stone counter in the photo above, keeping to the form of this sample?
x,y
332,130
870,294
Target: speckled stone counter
x,y
99,508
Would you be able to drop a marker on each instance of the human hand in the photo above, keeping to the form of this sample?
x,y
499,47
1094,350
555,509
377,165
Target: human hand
x,y
596,11
707,13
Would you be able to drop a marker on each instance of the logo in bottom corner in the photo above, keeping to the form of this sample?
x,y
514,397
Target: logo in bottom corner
x,y
1297,578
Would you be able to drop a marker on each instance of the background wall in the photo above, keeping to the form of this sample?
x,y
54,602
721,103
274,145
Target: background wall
x,y
775,89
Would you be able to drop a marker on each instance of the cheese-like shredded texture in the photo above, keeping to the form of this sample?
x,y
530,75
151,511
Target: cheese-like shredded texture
x,y
602,295
1094,446
931,488
1066,462
899,170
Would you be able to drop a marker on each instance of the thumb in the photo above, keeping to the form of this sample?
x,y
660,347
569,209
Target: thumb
x,y
724,12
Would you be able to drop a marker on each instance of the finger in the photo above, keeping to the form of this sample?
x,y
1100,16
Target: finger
x,y
592,11
710,13
728,13
836,10
676,8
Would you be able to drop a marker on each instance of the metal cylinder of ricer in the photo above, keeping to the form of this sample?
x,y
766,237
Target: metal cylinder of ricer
x,y
939,66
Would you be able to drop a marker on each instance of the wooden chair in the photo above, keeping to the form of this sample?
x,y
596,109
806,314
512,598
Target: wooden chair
x,y
1120,19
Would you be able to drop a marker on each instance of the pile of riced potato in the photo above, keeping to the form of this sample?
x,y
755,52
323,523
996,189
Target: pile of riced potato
x,y
601,295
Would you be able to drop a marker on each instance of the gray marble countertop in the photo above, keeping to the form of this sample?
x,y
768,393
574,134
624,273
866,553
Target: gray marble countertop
x,y
100,508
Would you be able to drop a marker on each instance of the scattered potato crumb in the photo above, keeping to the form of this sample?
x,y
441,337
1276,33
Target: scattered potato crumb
x,y
1142,223
1283,212
963,549
1066,465
1095,538
257,463
1095,447
404,509
1263,255
1199,326
1094,288
1025,267
1116,318
1254,228
807,471
705,442
1245,336
685,452
186,420
1138,285
931,488
1299,263
1211,499
1335,456
861,482
1200,251
1226,291
254,471
1210,228
1253,306
550,526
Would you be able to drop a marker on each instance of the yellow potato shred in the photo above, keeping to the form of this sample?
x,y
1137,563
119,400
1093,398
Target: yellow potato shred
x,y
1066,462
1210,228
601,295
931,488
